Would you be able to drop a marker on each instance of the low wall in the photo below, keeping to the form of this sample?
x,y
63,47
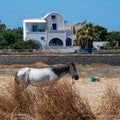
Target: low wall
x,y
81,59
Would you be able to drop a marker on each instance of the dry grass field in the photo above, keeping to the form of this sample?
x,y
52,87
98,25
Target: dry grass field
x,y
60,101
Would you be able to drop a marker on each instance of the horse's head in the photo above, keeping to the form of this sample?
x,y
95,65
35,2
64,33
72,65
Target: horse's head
x,y
73,71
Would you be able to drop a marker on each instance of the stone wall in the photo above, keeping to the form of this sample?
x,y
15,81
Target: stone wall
x,y
81,59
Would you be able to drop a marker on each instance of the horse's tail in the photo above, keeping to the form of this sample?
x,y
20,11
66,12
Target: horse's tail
x,y
17,79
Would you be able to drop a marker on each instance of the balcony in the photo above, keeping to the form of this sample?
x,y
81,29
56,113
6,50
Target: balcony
x,y
56,31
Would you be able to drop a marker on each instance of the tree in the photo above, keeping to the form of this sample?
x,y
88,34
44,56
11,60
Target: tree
x,y
3,44
100,32
30,44
10,37
18,30
2,27
89,33
85,36
13,38
20,44
113,38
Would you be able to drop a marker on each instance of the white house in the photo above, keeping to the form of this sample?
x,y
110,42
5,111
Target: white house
x,y
98,45
48,31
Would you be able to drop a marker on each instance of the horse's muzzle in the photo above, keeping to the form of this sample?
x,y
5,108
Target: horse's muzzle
x,y
76,77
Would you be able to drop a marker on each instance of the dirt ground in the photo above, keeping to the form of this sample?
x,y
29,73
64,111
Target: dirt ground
x,y
91,91
94,91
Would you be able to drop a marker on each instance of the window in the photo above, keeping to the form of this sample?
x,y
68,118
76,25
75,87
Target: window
x,y
53,17
42,38
68,42
34,28
54,26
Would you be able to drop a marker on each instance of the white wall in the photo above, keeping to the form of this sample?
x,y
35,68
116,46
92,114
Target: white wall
x,y
59,21
97,45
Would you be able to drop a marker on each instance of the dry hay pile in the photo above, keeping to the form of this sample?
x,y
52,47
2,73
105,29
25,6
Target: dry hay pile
x,y
35,65
50,102
58,101
29,53
109,108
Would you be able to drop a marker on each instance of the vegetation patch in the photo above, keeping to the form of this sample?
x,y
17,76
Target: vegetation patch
x,y
51,102
110,105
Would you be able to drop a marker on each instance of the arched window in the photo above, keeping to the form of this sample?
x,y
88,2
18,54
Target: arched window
x,y
56,42
68,42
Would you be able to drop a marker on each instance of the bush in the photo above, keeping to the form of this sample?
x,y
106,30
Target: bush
x,y
110,106
60,102
51,102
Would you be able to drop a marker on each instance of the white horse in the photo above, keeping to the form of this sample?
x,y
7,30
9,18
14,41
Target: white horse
x,y
33,76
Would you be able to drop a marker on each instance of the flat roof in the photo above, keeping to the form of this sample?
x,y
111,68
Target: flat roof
x,y
35,20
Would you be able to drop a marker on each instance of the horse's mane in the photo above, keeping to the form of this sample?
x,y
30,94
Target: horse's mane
x,y
73,65
61,69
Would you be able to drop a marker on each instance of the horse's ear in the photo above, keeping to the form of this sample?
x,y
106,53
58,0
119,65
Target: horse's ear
x,y
72,63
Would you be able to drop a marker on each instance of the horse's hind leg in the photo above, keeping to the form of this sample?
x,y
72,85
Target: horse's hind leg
x,y
20,84
17,79
17,82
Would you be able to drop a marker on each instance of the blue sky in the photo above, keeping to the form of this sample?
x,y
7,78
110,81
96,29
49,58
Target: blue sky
x,y
105,13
